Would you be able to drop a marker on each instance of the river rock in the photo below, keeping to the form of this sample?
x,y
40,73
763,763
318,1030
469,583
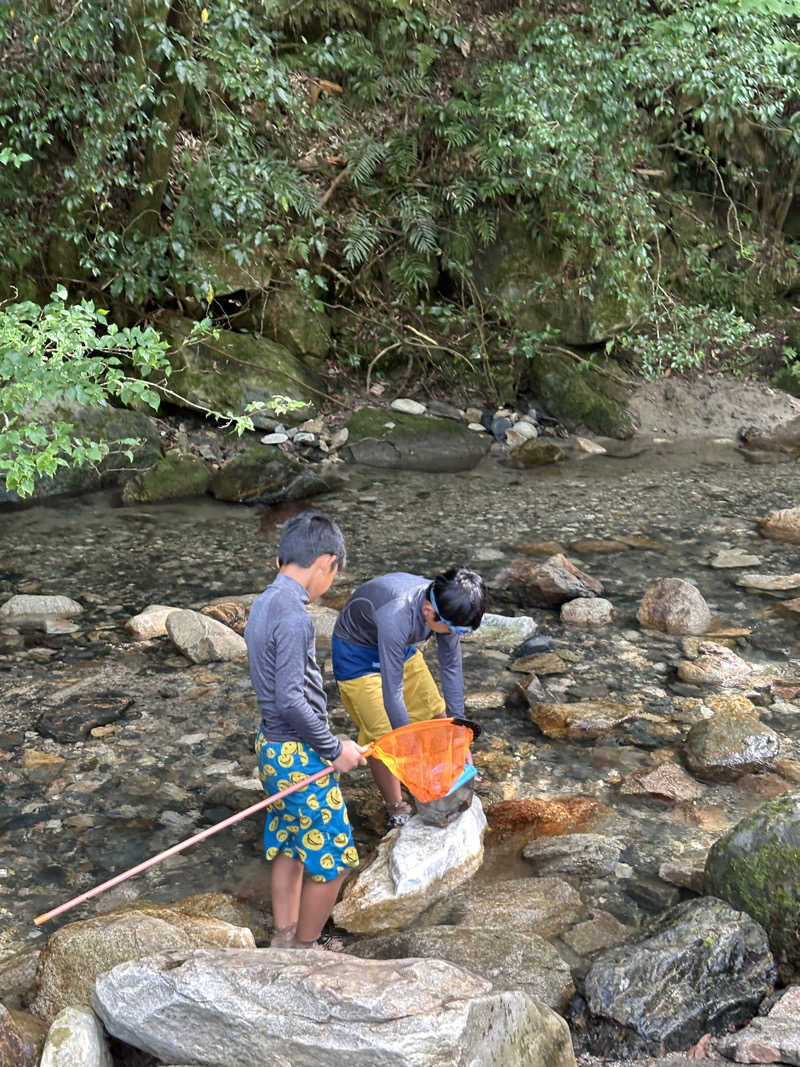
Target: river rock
x,y
725,747
541,818
519,433
774,1038
21,1039
537,452
543,663
151,621
178,474
782,525
231,613
23,606
204,640
668,781
756,867
508,959
79,714
675,607
584,612
18,976
700,967
715,665
266,475
583,855
414,866
546,905
734,557
501,631
769,582
411,442
583,720
294,1008
408,406
76,1037
78,952
547,584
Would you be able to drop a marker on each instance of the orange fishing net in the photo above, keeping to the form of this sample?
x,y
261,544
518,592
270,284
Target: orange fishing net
x,y
427,757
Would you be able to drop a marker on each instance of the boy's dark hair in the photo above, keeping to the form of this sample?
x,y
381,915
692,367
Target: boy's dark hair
x,y
460,596
309,535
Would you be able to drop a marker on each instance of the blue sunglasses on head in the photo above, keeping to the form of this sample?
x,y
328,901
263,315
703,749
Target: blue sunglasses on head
x,y
451,625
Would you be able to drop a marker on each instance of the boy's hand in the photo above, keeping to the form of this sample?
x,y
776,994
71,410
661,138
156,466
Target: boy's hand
x,y
350,757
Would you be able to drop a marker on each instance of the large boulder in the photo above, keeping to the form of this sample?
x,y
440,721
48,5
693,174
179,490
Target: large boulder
x,y
580,396
398,441
294,1008
177,474
265,474
105,424
508,959
78,952
700,967
756,868
414,867
545,290
232,370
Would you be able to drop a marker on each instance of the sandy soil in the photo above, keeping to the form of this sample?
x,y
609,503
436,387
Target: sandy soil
x,y
709,406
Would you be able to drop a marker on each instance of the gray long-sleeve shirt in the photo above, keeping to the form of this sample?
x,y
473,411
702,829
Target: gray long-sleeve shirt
x,y
281,651
386,614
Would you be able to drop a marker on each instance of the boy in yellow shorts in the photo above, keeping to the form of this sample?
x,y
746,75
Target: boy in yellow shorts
x,y
383,679
307,833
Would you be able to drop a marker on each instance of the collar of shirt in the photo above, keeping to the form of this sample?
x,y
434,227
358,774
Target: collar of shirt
x,y
292,585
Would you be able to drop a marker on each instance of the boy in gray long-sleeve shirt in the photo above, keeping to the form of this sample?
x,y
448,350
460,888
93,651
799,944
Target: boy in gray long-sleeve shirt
x,y
383,678
309,831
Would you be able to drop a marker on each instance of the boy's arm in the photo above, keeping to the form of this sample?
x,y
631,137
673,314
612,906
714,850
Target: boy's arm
x,y
291,651
448,648
391,652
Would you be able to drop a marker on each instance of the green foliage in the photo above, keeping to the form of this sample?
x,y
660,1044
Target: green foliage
x,y
376,145
685,337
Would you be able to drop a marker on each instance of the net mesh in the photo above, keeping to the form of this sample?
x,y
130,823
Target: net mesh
x,y
427,757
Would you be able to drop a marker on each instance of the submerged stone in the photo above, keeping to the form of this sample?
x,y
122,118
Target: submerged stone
x,y
176,475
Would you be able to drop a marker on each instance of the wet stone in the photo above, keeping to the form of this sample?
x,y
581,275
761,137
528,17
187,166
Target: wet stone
x,y
76,718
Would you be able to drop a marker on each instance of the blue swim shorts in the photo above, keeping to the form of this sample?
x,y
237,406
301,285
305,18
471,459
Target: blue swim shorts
x,y
312,824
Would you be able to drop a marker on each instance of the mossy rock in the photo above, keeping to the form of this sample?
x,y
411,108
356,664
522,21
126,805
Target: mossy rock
x,y
106,424
235,369
176,475
580,397
412,442
254,474
543,290
230,276
538,453
755,867
294,323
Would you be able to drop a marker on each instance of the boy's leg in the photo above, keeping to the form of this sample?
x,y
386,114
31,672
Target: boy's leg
x,y
287,890
316,905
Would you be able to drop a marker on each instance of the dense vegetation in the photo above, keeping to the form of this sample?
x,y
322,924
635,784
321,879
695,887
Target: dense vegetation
x,y
641,159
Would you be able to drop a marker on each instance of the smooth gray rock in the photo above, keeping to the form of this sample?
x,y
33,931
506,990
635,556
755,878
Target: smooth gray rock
x,y
203,639
27,605
411,442
771,1039
294,1008
585,855
698,968
508,959
76,1037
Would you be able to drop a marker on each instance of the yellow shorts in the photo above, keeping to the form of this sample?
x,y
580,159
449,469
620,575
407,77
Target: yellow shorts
x,y
363,699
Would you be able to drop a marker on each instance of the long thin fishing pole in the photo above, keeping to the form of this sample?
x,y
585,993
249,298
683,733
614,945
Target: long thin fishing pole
x,y
182,845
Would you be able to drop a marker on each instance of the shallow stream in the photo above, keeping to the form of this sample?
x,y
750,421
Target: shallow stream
x,y
176,754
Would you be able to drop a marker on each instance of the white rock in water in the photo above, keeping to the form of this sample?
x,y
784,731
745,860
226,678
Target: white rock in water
x,y
202,639
407,406
504,631
76,1037
520,432
591,448
305,1008
24,604
478,427
414,867
304,438
274,439
151,622
735,557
